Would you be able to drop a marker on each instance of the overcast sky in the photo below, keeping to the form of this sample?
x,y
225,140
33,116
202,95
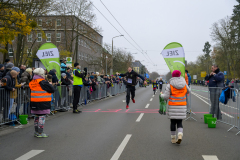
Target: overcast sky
x,y
155,23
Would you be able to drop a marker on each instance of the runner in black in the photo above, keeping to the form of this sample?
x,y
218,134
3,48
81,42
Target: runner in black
x,y
131,77
160,84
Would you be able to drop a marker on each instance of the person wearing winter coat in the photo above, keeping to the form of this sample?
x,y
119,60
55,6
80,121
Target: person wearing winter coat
x,y
175,93
1,71
41,91
25,92
54,76
216,83
63,66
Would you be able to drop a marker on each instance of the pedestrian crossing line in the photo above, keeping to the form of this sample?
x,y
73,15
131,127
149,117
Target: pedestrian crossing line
x,y
147,105
206,157
30,154
120,149
140,117
151,99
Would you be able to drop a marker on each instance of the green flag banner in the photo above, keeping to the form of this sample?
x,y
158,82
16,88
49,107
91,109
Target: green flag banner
x,y
174,56
49,56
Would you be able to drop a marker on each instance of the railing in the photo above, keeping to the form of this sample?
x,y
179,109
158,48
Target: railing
x,y
13,104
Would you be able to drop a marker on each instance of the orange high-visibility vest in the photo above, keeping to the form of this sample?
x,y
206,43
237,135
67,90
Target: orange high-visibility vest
x,y
178,97
37,93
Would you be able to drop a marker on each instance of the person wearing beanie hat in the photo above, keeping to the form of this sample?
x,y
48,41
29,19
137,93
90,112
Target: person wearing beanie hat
x,y
39,72
9,65
16,69
63,74
77,85
41,91
54,76
175,93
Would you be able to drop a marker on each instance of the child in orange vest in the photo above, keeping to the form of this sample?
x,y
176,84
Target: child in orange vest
x,y
175,93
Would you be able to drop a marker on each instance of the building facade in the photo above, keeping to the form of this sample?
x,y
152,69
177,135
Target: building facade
x,y
69,34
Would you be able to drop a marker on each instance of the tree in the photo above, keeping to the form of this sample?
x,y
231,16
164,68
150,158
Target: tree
x,y
80,32
13,24
154,75
207,52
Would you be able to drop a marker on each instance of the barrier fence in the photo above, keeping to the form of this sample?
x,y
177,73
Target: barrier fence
x,y
13,104
227,112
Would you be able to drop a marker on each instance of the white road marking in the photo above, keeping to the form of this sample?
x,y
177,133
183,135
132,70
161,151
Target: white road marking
x,y
140,117
147,105
30,154
151,99
124,100
120,149
153,96
209,157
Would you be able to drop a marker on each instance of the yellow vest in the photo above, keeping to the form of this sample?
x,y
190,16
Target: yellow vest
x,y
77,81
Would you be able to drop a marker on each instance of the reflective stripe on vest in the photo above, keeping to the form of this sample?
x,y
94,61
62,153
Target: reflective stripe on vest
x,y
37,93
77,80
178,97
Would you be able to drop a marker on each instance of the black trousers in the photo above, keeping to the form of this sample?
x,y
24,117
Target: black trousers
x,y
160,87
175,122
130,90
76,91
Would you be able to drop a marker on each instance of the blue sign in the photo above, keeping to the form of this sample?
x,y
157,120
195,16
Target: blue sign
x,y
225,73
146,75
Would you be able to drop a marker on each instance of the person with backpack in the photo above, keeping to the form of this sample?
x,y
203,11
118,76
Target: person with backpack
x,y
175,93
131,81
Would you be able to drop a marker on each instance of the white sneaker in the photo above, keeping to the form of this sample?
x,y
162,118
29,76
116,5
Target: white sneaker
x,y
180,135
173,139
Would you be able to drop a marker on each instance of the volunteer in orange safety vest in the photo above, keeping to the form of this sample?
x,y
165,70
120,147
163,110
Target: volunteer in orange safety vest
x,y
175,93
40,100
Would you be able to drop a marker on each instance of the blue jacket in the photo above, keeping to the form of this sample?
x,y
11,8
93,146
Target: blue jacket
x,y
63,67
189,79
217,80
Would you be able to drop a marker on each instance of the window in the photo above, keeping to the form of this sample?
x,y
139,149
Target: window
x,y
48,35
81,56
39,37
10,52
58,22
29,52
49,22
58,37
40,22
85,44
29,37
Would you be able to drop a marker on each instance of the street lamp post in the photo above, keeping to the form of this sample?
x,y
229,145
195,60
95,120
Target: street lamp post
x,y
111,71
106,65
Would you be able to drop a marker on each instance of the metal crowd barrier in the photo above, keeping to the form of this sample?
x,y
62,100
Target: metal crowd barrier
x,y
227,113
189,107
13,104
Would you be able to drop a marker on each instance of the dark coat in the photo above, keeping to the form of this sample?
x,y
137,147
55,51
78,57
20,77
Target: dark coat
x,y
54,77
216,80
10,82
132,75
26,77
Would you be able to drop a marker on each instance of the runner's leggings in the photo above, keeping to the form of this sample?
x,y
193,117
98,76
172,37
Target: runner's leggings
x,y
175,122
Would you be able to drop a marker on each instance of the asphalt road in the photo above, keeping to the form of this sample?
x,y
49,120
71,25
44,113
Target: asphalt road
x,y
106,130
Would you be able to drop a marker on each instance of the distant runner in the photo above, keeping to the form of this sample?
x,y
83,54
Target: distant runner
x,y
131,77
160,84
154,86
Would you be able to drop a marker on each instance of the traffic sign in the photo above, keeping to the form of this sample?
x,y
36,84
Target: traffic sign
x,y
225,73
69,61
203,74
194,76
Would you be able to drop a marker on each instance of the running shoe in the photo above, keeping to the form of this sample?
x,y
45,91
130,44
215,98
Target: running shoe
x,y
79,111
127,107
133,100
42,135
76,111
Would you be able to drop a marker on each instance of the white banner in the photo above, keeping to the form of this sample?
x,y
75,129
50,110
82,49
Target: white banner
x,y
48,53
173,53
